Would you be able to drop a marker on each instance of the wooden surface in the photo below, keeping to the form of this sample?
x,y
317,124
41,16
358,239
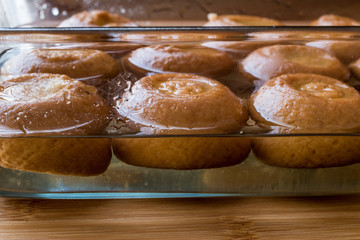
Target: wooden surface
x,y
201,218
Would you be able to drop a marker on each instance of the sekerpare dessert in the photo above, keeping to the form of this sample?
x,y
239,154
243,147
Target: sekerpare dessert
x,y
239,48
62,156
182,153
176,103
53,105
97,18
182,104
179,59
269,62
216,20
91,66
345,51
48,104
334,20
355,68
306,103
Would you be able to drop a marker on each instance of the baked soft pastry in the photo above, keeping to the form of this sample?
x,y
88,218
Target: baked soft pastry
x,y
239,20
182,104
114,49
239,48
269,62
182,153
64,156
97,18
345,51
179,59
334,20
91,66
176,103
306,103
51,104
355,68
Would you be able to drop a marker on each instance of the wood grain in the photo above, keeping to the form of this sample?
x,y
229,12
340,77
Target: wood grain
x,y
200,218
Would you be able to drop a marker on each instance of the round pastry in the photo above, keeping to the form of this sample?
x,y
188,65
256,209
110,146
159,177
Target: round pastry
x,y
269,62
182,153
180,59
50,104
355,68
306,103
43,104
114,49
91,66
176,103
239,20
307,152
239,48
65,156
97,18
182,104
334,20
345,51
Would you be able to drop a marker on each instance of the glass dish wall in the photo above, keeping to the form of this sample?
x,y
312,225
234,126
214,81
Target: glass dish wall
x,y
122,180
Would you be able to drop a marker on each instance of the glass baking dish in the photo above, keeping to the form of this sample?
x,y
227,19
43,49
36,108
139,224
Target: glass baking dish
x,y
251,177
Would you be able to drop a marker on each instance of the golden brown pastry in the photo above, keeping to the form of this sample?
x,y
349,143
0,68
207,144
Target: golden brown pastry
x,y
48,104
355,68
182,153
239,48
91,66
307,152
306,103
182,104
269,62
334,20
64,156
179,59
345,51
97,18
176,103
114,49
239,20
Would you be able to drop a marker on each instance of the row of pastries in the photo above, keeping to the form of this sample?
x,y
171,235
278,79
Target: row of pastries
x,y
96,18
181,89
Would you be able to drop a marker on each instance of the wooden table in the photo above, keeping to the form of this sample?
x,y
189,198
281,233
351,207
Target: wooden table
x,y
201,218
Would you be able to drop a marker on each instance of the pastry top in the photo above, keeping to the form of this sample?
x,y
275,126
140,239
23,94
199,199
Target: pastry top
x,y
268,62
239,20
239,48
345,51
75,63
46,104
180,59
182,104
97,18
334,20
306,101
